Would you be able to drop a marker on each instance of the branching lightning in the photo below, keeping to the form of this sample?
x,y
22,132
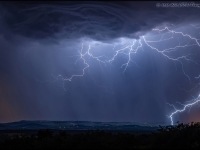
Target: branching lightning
x,y
125,50
132,48
189,105
165,53
185,57
83,71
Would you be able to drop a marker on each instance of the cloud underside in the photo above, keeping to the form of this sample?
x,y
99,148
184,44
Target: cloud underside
x,y
102,21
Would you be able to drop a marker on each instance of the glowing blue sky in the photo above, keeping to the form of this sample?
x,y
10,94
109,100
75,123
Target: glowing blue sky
x,y
40,41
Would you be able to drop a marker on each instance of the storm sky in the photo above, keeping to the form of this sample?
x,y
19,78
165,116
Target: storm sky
x,y
40,42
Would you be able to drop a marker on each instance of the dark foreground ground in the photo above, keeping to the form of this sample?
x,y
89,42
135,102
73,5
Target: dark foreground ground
x,y
180,136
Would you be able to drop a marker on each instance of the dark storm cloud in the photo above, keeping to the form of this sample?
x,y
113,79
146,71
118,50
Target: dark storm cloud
x,y
37,39
101,21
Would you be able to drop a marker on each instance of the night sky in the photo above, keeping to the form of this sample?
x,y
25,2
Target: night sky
x,y
41,44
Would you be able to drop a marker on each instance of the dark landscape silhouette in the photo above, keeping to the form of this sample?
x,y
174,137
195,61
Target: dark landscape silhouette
x,y
178,136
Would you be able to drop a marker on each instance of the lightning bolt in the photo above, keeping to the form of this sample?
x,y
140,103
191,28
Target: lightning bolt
x,y
189,105
165,52
126,50
82,58
83,71
131,48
